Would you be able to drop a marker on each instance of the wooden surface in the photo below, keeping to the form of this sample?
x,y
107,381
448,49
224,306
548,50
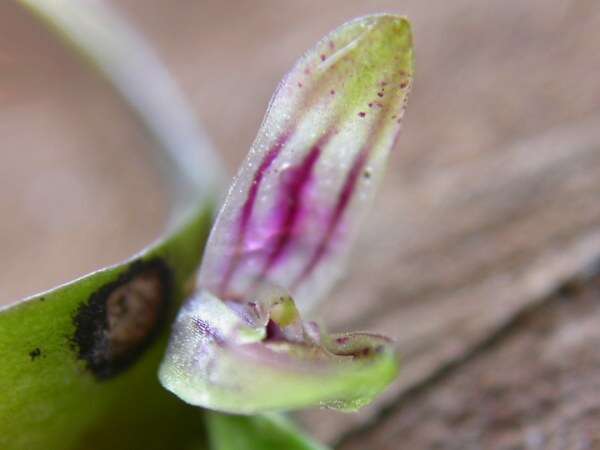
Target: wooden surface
x,y
489,207
77,189
532,386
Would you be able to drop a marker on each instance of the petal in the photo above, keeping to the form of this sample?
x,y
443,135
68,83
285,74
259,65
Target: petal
x,y
222,359
296,203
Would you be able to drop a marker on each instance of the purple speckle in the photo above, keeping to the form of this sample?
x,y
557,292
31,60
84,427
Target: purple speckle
x,y
332,92
205,329
362,114
300,84
323,57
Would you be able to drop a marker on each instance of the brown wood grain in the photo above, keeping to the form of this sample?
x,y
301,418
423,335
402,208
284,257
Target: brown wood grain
x,y
532,386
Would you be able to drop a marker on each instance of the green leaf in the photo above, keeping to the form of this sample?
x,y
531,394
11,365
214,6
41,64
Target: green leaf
x,y
263,432
78,363
53,396
283,234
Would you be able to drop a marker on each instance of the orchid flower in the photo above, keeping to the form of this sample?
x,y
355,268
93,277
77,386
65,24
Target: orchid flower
x,y
282,236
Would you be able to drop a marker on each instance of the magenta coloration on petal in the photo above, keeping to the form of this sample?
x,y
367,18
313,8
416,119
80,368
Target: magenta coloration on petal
x,y
292,195
258,177
249,206
295,206
291,204
274,332
341,205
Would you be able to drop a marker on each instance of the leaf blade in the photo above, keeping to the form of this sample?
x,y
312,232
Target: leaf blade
x,y
265,432
51,400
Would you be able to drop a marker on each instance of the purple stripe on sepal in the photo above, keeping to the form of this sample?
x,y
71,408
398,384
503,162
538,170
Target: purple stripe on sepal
x,y
341,205
248,208
292,197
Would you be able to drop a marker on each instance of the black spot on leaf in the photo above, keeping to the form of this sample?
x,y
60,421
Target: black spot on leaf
x,y
35,353
122,319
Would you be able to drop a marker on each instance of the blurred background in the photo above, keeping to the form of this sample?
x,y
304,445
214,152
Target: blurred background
x,y
490,202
